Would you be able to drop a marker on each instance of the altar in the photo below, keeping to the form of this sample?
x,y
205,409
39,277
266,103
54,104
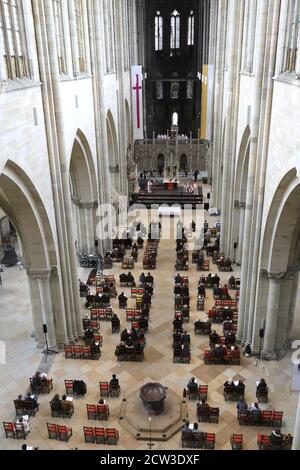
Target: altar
x,y
170,185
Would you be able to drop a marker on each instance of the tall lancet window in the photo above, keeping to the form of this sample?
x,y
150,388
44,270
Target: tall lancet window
x,y
159,32
175,30
12,39
80,35
191,29
293,39
59,36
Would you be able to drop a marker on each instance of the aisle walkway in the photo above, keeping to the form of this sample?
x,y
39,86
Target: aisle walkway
x,y
158,366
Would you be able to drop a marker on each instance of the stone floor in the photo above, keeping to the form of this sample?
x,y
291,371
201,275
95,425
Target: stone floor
x,y
23,359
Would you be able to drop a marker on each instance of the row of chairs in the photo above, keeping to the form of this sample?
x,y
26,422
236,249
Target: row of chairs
x,y
58,432
45,386
197,440
97,412
81,352
261,418
14,430
24,407
232,303
208,414
102,314
109,436
200,394
229,357
264,443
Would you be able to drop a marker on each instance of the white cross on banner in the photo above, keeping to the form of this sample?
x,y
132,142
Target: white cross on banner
x,y
137,101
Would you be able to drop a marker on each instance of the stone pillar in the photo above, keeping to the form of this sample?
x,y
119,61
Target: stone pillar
x,y
292,307
46,304
88,209
36,309
275,280
73,31
281,340
241,233
296,439
254,158
230,83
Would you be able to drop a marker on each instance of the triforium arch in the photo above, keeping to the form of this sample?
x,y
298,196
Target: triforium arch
x,y
21,202
280,263
240,193
83,186
113,154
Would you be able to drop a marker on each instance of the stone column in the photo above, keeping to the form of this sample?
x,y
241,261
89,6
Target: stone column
x,y
275,280
241,233
36,308
230,84
88,209
254,157
46,304
73,31
292,307
296,439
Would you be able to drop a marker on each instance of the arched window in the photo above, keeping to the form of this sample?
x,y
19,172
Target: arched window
x,y
80,35
12,39
191,29
159,31
60,44
175,30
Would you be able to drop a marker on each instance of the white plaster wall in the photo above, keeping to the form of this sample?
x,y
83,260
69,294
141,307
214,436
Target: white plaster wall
x,y
25,143
284,148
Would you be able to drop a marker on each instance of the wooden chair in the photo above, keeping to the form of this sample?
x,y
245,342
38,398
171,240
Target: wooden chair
x,y
236,441
9,429
277,419
214,414
266,418
112,436
77,351
102,412
69,384
99,435
114,390
89,436
203,392
86,352
30,408
52,431
91,412
263,442
68,351
187,439
20,431
104,389
64,433
209,441
198,440
262,395
19,407
243,417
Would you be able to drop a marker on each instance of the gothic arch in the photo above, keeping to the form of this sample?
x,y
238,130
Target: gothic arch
x,y
279,267
83,188
283,188
21,202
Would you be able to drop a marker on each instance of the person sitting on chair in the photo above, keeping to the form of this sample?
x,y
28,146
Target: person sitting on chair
x,y
114,382
192,385
261,387
276,438
241,406
122,299
229,386
254,408
247,351
66,406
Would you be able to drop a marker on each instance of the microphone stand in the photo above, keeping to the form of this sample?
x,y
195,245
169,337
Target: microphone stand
x,y
48,351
